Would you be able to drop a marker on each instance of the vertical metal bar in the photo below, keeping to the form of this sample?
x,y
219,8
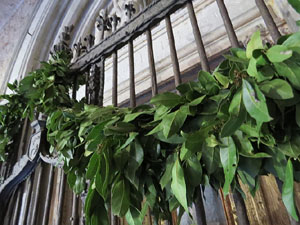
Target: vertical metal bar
x,y
198,38
94,82
101,81
173,52
131,74
27,200
228,24
74,91
87,101
48,196
74,219
115,66
17,204
61,196
131,62
23,139
199,208
266,15
151,62
8,215
115,79
36,196
241,209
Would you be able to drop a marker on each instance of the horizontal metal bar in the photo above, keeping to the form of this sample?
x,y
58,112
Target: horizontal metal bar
x,y
147,18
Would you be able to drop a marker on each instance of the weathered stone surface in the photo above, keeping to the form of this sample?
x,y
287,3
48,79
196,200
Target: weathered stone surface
x,y
15,18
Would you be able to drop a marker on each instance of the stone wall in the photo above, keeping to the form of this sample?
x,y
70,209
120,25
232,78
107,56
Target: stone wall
x,y
15,18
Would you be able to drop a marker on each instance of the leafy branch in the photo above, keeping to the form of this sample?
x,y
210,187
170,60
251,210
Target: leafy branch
x,y
237,124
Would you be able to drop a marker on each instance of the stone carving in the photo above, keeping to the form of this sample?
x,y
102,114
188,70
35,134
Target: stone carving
x,y
64,40
114,20
78,50
126,8
90,39
102,26
38,127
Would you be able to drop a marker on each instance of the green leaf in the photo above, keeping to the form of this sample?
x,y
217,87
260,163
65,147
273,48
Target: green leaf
x,y
130,139
291,147
103,175
298,114
229,162
255,43
136,157
173,122
133,116
79,185
208,83
178,185
295,4
255,103
197,101
211,159
277,89
252,68
71,178
234,123
167,99
166,178
288,191
222,79
289,70
236,103
122,127
279,53
120,198
193,171
194,140
95,211
245,147
93,166
293,41
133,216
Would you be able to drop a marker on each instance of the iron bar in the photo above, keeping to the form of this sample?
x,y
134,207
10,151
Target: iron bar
x,y
87,101
23,139
61,196
198,38
115,79
28,189
138,25
74,90
228,24
241,209
115,66
130,11
48,196
8,215
151,62
173,52
36,194
74,218
131,74
94,84
199,208
267,17
16,208
101,81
